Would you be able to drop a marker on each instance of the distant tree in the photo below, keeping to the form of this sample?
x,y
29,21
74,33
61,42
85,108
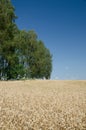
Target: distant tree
x,y
7,31
42,66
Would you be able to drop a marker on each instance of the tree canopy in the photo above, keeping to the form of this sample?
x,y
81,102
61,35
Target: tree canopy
x,y
21,53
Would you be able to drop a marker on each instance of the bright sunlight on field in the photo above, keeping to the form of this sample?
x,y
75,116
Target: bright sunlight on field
x,y
42,105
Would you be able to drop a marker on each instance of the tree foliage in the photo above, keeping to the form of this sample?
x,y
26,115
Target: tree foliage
x,y
21,53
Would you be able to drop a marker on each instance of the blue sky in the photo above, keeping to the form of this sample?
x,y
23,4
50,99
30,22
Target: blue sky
x,y
61,25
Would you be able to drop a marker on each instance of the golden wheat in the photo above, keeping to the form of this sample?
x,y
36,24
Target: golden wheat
x,y
43,105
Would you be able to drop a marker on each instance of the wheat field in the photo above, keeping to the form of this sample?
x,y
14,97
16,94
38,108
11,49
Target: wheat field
x,y
42,105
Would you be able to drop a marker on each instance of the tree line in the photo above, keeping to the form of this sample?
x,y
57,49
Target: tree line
x,y
22,54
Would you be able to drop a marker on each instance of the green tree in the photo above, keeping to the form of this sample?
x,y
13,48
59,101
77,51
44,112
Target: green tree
x,y
7,31
42,65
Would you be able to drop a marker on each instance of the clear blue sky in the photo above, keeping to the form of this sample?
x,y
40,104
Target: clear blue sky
x,y
61,25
